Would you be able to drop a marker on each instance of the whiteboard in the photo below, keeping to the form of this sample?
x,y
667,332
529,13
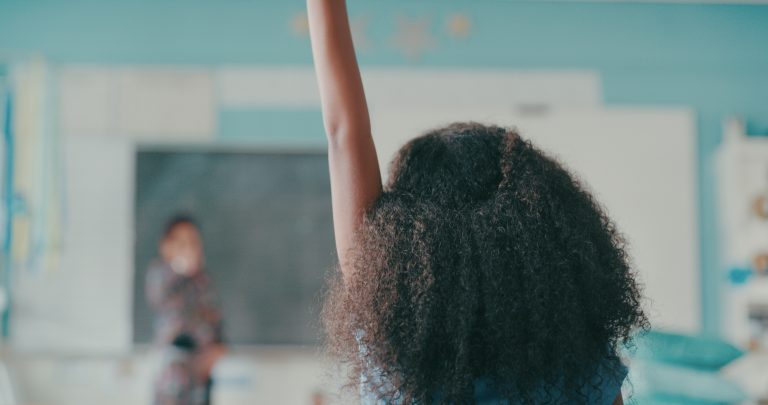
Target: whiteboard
x,y
639,162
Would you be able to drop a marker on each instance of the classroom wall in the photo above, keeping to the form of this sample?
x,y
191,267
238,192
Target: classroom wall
x,y
707,56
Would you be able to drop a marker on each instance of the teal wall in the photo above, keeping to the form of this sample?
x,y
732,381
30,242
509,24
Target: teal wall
x,y
713,58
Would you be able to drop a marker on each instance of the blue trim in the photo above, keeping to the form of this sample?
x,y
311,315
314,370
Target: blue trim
x,y
8,197
300,125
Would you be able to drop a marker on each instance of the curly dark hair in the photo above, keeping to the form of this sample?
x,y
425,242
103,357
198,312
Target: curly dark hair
x,y
483,258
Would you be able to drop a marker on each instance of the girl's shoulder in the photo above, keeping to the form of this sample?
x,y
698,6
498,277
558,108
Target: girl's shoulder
x,y
607,381
601,387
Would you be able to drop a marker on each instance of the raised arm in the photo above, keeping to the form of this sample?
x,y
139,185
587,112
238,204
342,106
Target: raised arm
x,y
355,177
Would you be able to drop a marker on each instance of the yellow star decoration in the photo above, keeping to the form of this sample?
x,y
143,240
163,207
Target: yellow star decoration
x,y
413,37
300,24
459,25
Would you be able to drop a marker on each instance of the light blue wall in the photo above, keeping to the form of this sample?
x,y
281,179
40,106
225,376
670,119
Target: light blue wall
x,y
713,58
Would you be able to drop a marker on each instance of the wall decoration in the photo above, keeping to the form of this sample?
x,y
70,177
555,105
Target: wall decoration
x,y
459,26
359,27
300,24
413,37
35,214
760,206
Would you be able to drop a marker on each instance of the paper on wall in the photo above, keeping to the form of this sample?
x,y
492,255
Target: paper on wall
x,y
87,101
166,103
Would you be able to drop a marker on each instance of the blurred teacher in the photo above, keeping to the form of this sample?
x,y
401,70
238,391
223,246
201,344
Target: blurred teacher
x,y
187,319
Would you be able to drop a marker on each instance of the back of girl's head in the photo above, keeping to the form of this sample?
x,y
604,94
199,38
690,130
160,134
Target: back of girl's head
x,y
483,258
454,167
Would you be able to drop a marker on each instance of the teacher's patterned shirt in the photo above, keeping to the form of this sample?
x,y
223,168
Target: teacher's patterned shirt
x,y
187,320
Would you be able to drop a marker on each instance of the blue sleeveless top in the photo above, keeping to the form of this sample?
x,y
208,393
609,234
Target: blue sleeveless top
x,y
605,386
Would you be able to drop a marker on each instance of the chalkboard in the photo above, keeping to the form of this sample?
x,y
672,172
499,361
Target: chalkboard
x,y
268,241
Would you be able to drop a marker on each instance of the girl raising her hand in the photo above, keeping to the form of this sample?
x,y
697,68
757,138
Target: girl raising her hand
x,y
482,272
